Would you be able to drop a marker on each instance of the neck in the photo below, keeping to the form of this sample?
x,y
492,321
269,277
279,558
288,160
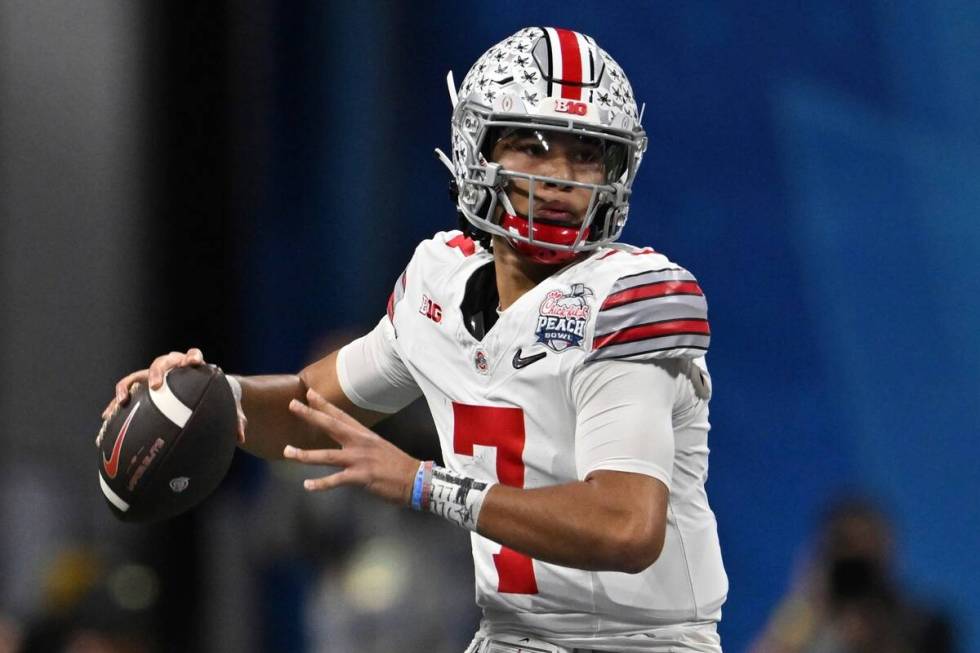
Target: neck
x,y
515,273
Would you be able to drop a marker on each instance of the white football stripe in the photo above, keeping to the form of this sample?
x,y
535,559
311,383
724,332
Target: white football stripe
x,y
113,498
167,403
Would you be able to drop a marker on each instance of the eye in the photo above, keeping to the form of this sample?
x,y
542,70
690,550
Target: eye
x,y
587,155
529,147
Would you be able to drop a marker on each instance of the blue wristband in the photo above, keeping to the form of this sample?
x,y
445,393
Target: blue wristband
x,y
417,488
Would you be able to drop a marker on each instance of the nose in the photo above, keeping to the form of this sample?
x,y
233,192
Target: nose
x,y
558,167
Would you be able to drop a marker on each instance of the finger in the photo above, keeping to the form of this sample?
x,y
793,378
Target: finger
x,y
101,433
161,365
122,388
332,457
109,409
340,432
194,356
242,424
344,477
317,401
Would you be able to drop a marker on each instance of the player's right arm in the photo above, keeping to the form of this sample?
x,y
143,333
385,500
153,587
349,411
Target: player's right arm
x,y
265,404
265,416
366,378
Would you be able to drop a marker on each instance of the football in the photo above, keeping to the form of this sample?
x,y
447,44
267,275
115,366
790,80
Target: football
x,y
166,450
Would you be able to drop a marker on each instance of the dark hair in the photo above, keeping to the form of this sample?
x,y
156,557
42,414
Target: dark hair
x,y
469,229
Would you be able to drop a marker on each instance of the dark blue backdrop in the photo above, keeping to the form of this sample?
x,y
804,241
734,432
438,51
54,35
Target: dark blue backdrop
x,y
816,167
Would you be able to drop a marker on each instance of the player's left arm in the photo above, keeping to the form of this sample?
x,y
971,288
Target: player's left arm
x,y
613,519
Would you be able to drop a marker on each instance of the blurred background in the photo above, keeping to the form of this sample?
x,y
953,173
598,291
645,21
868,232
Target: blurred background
x,y
250,176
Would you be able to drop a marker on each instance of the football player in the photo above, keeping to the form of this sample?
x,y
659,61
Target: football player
x,y
564,371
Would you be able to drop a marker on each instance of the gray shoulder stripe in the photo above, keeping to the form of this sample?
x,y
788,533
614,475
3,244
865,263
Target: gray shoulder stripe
x,y
651,276
690,351
671,307
671,346
653,304
636,274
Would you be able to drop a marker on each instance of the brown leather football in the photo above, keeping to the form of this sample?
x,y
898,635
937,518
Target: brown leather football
x,y
166,450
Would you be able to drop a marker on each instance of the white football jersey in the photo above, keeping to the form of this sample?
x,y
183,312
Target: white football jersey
x,y
506,409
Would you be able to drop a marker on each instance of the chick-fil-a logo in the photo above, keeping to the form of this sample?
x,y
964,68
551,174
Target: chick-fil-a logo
x,y
563,316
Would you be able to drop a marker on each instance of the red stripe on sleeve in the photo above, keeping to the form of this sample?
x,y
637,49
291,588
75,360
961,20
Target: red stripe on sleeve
x,y
571,64
654,330
650,290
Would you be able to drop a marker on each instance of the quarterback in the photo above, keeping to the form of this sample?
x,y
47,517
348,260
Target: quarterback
x,y
565,373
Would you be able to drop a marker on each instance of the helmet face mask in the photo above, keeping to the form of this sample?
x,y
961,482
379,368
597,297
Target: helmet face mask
x,y
588,155
510,94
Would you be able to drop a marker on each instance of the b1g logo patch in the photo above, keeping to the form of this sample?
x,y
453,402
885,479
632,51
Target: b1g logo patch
x,y
572,107
563,316
430,309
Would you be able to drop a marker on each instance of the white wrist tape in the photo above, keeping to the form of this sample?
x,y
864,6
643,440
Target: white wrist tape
x,y
236,390
457,498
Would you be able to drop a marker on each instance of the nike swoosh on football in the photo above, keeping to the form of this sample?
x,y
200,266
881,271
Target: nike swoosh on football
x,y
524,362
112,464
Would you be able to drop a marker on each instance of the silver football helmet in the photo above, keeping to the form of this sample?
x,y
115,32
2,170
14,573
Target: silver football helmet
x,y
544,81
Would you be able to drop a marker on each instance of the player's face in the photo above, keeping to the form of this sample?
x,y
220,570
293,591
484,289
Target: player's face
x,y
552,154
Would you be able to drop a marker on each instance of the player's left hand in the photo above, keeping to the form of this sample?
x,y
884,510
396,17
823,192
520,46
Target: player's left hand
x,y
366,459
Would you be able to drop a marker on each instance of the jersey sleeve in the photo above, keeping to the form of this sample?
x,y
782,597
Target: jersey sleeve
x,y
372,374
654,314
623,418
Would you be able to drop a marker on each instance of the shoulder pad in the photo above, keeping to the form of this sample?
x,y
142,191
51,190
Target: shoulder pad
x,y
660,312
449,245
433,257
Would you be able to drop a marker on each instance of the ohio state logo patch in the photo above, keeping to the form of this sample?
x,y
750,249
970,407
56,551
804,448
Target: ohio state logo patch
x,y
480,361
562,317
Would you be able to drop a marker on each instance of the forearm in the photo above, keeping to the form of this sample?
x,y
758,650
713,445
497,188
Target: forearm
x,y
271,425
611,521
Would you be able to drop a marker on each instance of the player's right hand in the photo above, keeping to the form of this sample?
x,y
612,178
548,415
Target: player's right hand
x,y
153,375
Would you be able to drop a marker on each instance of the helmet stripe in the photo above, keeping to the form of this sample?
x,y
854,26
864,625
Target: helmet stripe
x,y
585,55
555,61
589,53
550,40
571,64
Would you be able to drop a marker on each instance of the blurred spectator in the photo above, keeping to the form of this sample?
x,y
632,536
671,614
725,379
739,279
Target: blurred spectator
x,y
349,569
9,634
848,600
90,607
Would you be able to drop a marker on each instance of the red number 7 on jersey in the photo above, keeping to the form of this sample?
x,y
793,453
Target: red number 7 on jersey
x,y
503,428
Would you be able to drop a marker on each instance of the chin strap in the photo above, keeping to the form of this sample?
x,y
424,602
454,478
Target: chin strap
x,y
454,99
508,207
446,161
451,83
